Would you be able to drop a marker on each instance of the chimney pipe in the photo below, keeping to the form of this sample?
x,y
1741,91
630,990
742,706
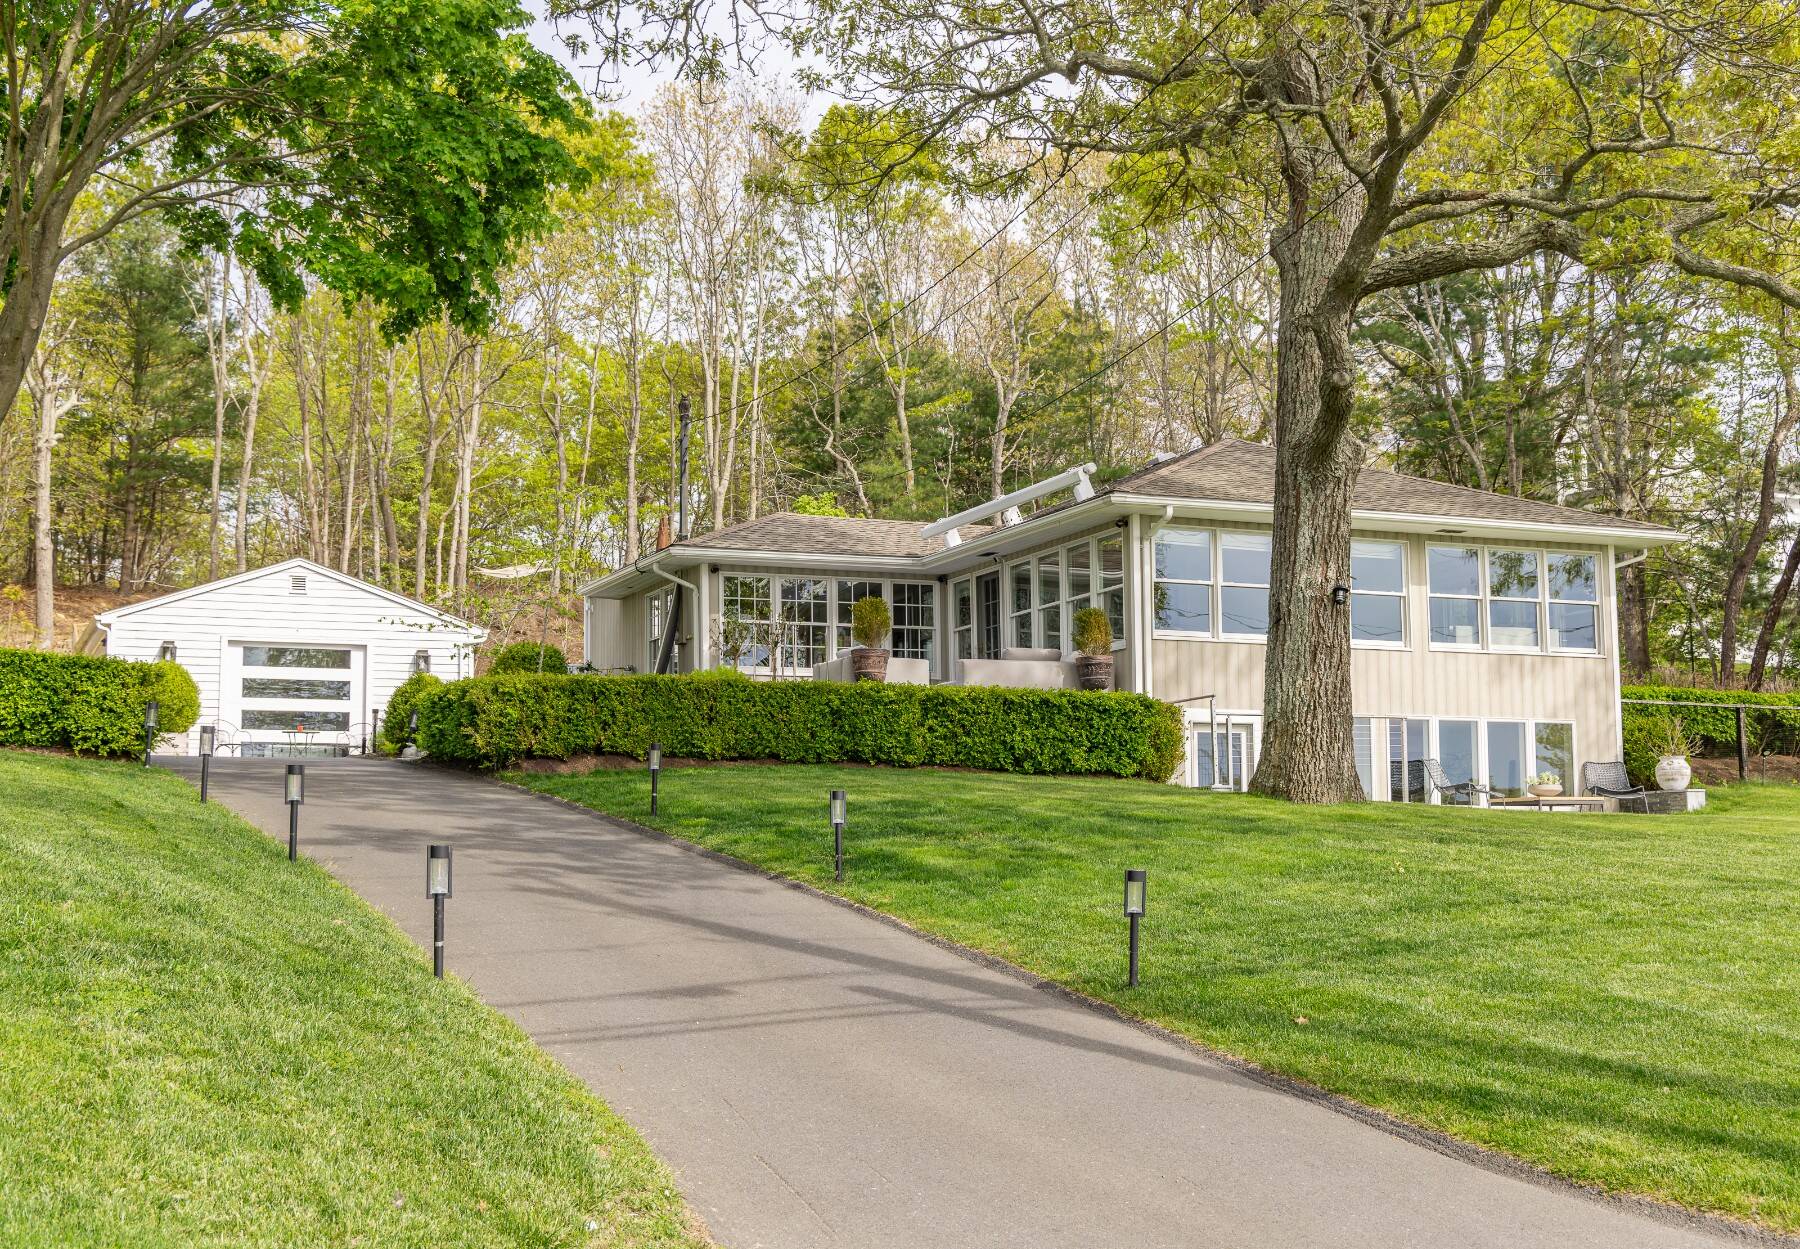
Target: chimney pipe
x,y
681,525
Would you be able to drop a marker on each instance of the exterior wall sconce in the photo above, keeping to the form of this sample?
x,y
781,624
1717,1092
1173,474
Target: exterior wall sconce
x,y
1340,594
421,661
295,795
166,652
437,888
1136,886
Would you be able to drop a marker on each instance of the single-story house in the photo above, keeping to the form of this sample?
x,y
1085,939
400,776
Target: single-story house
x,y
1484,627
295,658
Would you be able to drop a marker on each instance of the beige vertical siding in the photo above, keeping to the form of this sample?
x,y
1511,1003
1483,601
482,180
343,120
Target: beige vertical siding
x,y
1420,681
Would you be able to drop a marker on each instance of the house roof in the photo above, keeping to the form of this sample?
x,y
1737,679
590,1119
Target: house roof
x,y
792,532
105,619
1235,471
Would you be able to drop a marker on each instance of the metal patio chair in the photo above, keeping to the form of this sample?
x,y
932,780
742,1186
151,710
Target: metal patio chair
x,y
1464,790
1609,780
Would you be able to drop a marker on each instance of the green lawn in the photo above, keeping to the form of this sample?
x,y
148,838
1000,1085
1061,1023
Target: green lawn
x,y
1614,998
202,1044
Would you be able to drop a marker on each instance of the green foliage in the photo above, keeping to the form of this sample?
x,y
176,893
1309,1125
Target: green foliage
x,y
1092,632
88,704
1651,731
528,657
495,720
870,620
400,708
824,503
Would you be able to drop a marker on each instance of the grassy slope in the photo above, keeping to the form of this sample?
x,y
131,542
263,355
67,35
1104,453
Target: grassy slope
x,y
1614,998
201,1044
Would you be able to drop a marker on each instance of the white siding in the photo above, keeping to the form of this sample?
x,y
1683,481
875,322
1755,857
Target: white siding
x,y
263,607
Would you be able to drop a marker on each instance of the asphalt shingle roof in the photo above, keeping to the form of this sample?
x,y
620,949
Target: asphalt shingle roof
x,y
1234,471
1230,471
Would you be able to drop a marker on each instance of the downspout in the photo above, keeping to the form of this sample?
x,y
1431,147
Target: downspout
x,y
667,651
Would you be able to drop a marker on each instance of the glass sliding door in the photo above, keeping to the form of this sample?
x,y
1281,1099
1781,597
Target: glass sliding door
x,y
1457,752
1555,752
1506,758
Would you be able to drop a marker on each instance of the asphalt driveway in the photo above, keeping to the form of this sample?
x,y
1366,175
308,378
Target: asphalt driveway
x,y
819,1078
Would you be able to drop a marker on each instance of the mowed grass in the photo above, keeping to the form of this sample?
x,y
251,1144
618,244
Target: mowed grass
x,y
203,1044
1614,998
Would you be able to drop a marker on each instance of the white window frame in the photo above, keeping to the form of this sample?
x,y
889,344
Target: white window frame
x,y
1211,584
768,622
958,630
1009,636
1268,540
1405,642
1381,763
1484,611
933,631
658,604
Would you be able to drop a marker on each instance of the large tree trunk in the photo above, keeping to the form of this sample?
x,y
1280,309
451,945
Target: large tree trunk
x,y
1634,622
1743,562
52,404
1308,750
1771,621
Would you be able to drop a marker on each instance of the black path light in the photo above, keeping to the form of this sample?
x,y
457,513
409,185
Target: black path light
x,y
209,739
655,772
151,709
437,888
838,814
1136,885
374,730
296,794
412,728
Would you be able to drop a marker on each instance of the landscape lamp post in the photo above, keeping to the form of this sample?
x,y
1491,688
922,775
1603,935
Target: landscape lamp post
x,y
838,804
1136,883
437,888
150,713
655,772
374,730
296,794
209,736
412,729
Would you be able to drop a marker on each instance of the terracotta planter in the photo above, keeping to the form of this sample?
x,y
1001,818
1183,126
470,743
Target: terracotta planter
x,y
867,664
1094,672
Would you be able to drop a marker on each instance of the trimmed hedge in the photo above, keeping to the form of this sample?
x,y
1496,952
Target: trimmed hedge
x,y
401,702
88,704
1777,729
537,657
495,720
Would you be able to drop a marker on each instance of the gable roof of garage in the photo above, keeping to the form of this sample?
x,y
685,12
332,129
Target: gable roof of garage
x,y
291,566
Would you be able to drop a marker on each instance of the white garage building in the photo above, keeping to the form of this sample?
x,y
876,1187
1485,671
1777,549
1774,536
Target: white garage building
x,y
294,658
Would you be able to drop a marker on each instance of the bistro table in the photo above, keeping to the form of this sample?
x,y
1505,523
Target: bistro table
x,y
1561,802
297,739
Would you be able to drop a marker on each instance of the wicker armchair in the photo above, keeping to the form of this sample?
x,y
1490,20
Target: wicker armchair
x,y
1609,780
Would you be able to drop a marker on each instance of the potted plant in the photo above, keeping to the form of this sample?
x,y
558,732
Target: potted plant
x,y
1545,785
869,624
1671,742
1092,634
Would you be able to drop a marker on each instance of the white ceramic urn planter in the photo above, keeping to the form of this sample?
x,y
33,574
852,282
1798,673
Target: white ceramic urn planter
x,y
1673,772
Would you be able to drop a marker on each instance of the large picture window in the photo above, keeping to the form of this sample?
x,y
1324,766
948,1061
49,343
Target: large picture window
x,y
1184,574
1111,557
847,594
1514,599
1503,755
962,596
1378,593
804,604
915,620
1243,584
1018,579
744,622
1050,607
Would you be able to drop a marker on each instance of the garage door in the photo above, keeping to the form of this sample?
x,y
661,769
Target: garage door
x,y
288,698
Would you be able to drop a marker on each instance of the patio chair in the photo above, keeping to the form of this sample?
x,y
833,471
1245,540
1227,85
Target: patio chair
x,y
1440,781
1608,780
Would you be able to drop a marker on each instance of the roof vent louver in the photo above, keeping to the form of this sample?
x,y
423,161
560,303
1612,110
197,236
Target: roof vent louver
x,y
297,584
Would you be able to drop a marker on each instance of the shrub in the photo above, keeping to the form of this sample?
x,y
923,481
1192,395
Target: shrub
x,y
400,708
870,621
1091,632
528,657
1648,729
88,704
492,721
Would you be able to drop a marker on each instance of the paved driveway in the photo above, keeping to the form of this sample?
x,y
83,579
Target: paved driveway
x,y
819,1078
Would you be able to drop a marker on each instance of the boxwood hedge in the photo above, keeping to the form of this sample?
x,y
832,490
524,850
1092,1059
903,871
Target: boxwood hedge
x,y
90,705
495,720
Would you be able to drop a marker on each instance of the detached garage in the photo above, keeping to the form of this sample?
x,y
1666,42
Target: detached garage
x,y
295,658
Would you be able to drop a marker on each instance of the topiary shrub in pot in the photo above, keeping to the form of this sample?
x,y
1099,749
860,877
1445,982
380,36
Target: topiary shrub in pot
x,y
1092,634
869,625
